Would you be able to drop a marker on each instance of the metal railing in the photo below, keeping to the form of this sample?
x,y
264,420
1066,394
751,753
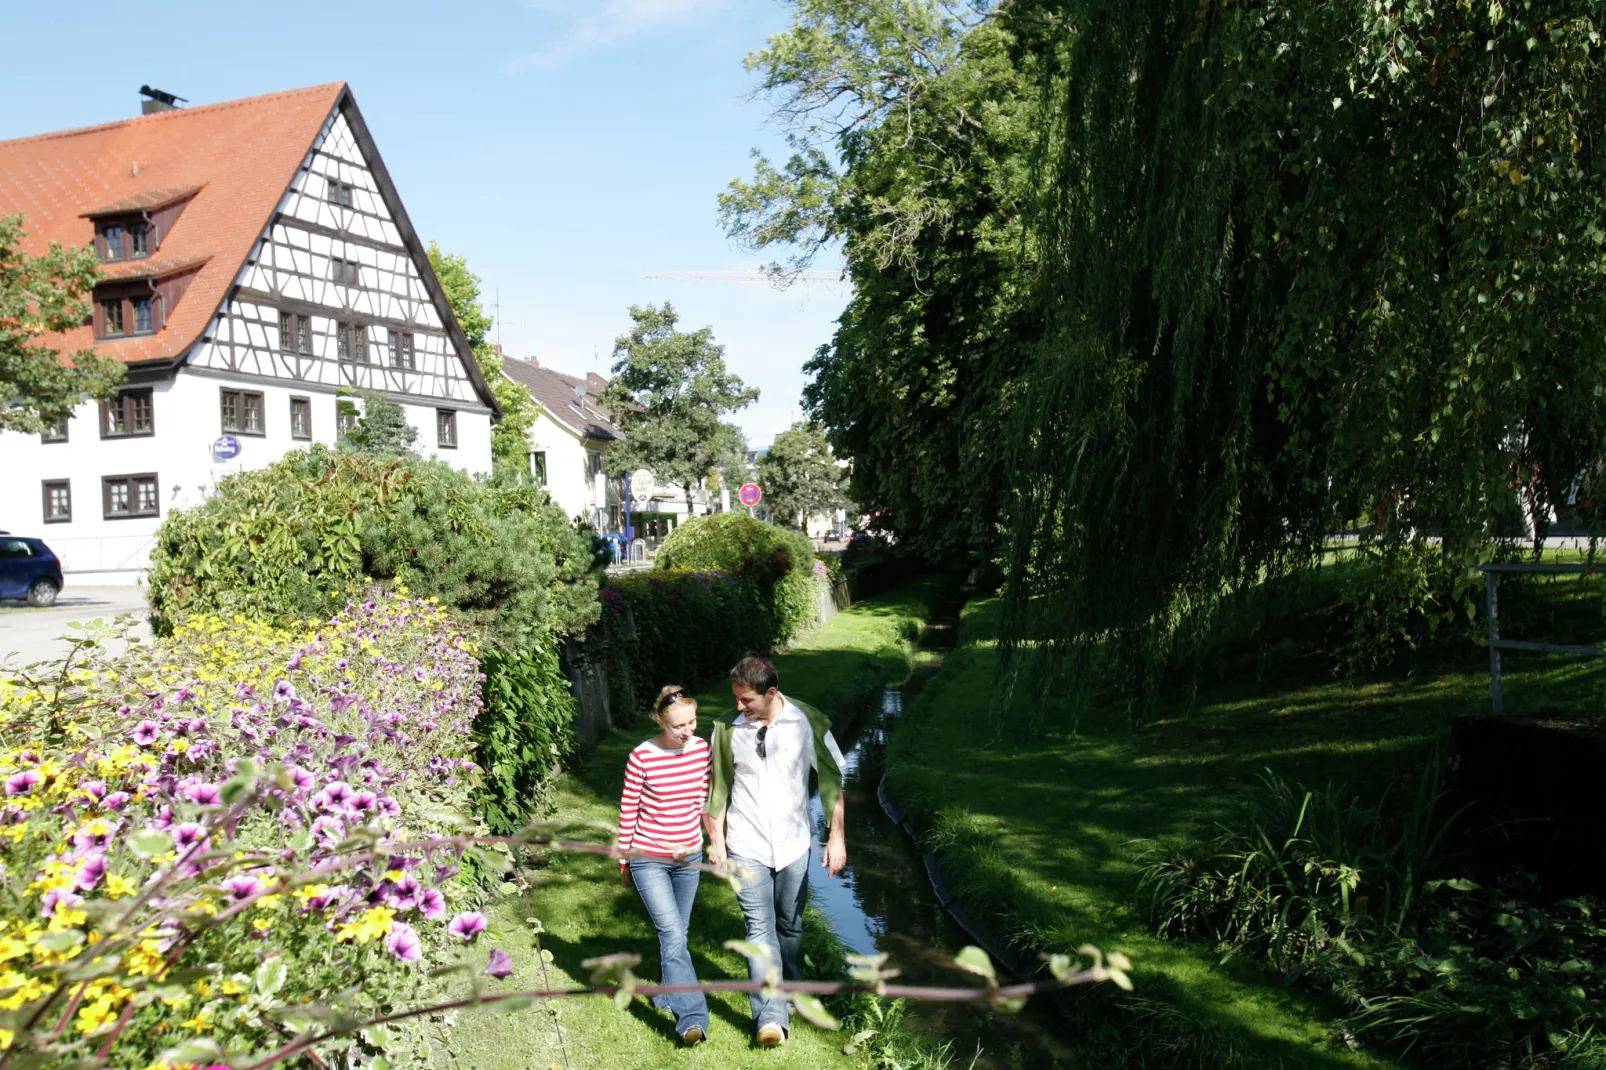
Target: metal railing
x,y
1491,587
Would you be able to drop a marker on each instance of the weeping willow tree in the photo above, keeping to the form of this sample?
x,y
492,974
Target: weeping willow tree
x,y
1304,265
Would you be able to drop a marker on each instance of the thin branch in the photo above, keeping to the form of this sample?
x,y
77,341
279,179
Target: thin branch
x,y
929,993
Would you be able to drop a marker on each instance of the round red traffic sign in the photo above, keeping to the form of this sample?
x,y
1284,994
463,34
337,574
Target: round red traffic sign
x,y
750,494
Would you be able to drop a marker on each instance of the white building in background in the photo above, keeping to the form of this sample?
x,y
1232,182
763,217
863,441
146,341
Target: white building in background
x,y
568,446
257,260
568,440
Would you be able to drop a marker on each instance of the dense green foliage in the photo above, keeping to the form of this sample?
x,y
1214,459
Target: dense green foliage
x,y
1351,897
800,477
676,626
671,392
510,438
933,128
1178,290
40,295
524,731
291,540
778,563
380,427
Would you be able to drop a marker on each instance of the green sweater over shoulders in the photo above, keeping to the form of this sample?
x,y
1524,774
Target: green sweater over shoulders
x,y
830,773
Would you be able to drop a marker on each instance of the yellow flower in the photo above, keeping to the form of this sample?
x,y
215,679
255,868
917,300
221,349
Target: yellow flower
x,y
231,987
310,891
261,925
203,905
146,960
118,885
11,948
6,1037
198,1022
25,991
371,924
269,902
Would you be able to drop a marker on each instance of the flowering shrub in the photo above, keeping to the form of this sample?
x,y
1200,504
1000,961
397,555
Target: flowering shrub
x,y
219,842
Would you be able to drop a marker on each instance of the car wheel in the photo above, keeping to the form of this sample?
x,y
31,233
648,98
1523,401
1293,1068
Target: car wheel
x,y
42,593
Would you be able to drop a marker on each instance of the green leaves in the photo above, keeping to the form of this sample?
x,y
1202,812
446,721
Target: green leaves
x,y
39,295
669,393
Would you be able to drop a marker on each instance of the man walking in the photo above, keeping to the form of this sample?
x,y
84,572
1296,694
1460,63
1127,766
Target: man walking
x,y
758,817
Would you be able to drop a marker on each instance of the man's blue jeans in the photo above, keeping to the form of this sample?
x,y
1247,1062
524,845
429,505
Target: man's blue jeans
x,y
668,890
772,903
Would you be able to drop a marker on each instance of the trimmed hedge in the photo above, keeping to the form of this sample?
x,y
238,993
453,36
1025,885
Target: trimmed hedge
x,y
675,626
776,561
525,730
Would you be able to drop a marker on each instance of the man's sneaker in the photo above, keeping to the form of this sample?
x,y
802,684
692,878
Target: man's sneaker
x,y
692,1037
771,1036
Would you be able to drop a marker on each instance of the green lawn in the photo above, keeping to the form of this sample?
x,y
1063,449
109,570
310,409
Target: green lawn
x,y
586,912
1038,828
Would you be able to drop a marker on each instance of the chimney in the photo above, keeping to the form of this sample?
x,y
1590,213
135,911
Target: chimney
x,y
596,382
157,100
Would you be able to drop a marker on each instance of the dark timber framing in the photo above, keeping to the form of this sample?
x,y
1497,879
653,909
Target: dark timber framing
x,y
346,107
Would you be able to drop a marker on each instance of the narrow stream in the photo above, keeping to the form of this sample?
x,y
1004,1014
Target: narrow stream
x,y
883,902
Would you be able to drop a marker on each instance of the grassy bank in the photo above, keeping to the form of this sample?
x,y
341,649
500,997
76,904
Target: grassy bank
x,y
1038,829
585,911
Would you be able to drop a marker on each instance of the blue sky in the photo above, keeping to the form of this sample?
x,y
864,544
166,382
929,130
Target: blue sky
x,y
568,148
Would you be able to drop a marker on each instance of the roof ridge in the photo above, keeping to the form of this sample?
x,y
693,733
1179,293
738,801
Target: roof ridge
x,y
173,113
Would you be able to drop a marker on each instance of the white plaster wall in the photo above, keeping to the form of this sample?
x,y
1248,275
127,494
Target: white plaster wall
x,y
565,466
187,418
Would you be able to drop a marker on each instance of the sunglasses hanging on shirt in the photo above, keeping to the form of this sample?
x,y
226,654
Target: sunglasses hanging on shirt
x,y
761,731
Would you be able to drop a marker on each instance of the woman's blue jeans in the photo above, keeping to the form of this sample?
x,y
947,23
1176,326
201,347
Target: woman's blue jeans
x,y
668,889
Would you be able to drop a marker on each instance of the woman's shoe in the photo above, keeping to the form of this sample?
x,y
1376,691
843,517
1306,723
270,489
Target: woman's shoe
x,y
771,1036
692,1037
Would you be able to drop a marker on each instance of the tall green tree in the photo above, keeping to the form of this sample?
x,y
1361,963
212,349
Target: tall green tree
x,y
670,392
41,295
911,124
510,438
800,477
1305,264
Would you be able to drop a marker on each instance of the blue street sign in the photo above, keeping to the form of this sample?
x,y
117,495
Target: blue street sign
x,y
225,448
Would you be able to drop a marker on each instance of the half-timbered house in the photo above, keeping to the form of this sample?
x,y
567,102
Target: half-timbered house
x,y
257,259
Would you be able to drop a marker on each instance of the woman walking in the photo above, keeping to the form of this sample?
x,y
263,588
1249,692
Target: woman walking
x,y
660,813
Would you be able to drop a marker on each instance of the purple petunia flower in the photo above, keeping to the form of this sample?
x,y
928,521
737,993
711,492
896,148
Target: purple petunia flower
x,y
22,783
402,941
284,690
242,887
145,733
403,894
188,835
335,796
328,831
203,794
90,871
116,800
95,789
431,904
467,925
500,965
57,899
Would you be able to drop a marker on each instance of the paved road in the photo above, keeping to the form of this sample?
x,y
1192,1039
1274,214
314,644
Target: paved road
x,y
29,635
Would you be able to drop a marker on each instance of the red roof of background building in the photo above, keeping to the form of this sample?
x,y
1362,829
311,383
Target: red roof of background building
x,y
241,155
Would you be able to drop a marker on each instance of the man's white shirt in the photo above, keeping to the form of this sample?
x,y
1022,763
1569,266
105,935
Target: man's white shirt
x,y
768,819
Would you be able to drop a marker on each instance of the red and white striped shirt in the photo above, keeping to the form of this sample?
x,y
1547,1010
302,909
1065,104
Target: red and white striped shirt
x,y
661,810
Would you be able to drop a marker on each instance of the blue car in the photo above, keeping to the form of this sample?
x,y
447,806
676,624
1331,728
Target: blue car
x,y
28,569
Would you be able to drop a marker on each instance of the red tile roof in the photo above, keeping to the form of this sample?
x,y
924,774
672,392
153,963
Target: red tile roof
x,y
241,155
156,198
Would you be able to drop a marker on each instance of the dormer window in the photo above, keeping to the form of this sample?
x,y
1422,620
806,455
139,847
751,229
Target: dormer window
x,y
126,309
123,239
133,228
